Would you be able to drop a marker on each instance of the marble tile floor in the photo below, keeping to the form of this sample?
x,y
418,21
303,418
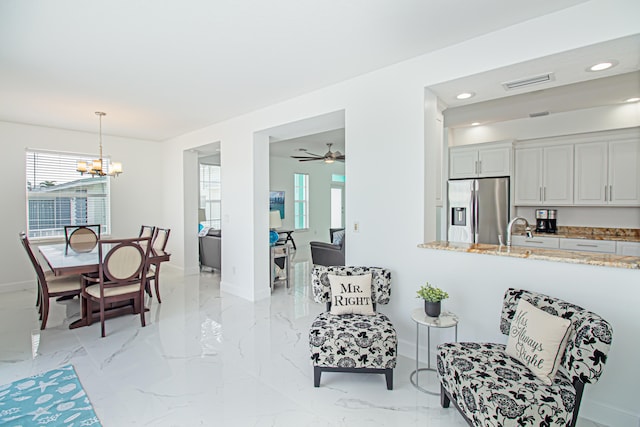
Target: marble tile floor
x,y
207,358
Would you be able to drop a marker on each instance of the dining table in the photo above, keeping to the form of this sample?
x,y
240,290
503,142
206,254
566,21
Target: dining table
x,y
62,260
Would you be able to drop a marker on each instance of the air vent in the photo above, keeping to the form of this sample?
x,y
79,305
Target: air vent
x,y
539,114
517,84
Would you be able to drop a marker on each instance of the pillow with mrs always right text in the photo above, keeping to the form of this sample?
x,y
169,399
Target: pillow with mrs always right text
x,y
538,339
351,294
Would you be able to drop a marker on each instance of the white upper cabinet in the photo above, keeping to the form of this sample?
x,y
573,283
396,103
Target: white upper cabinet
x,y
608,173
591,185
528,181
544,175
480,160
557,175
624,173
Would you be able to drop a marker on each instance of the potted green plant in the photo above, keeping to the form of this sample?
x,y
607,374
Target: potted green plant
x,y
432,297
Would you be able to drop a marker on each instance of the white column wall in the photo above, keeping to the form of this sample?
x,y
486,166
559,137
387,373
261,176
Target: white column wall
x,y
387,187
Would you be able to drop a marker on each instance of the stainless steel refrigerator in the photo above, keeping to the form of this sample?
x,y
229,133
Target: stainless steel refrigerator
x,y
478,210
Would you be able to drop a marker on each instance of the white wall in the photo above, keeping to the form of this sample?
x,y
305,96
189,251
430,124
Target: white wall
x,y
281,172
567,123
136,195
388,184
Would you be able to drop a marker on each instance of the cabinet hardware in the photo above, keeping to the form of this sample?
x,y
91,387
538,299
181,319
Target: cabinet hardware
x,y
476,166
479,166
540,194
586,246
544,193
605,193
611,193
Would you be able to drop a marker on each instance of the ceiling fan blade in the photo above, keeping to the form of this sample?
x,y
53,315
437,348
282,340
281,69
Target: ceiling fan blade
x,y
340,157
311,154
307,157
311,159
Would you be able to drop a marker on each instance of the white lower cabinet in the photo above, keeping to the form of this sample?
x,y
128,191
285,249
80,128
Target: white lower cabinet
x,y
602,246
536,242
579,245
628,248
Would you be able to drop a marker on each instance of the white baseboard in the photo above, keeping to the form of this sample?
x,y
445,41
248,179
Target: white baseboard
x,y
607,415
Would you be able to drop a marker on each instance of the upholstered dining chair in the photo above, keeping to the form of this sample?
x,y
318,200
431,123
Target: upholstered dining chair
x,y
82,238
158,249
121,277
146,231
352,336
49,286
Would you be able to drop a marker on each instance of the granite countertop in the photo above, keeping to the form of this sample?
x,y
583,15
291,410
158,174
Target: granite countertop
x,y
590,258
592,233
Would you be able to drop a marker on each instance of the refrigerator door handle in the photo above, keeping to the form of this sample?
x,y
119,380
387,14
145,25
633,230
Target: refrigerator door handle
x,y
474,225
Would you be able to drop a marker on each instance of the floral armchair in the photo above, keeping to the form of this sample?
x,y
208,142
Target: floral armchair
x,y
490,388
352,342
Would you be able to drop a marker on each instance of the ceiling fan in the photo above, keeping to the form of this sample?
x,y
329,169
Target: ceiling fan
x,y
328,157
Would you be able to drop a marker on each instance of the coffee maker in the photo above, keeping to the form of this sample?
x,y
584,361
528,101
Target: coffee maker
x,y
542,221
552,226
546,221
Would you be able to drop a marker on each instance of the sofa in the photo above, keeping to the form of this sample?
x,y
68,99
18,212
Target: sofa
x,y
211,249
329,254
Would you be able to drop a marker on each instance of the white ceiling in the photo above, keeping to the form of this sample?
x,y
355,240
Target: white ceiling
x,y
316,144
572,88
166,67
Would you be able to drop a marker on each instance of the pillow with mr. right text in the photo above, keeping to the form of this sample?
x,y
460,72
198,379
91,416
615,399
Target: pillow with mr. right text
x,y
351,294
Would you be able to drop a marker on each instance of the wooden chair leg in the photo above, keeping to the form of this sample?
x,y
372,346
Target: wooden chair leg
x,y
141,307
156,279
102,317
45,313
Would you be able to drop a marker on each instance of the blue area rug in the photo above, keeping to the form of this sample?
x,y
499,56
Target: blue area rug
x,y
53,398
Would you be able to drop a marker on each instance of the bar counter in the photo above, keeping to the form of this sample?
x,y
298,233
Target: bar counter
x,y
590,258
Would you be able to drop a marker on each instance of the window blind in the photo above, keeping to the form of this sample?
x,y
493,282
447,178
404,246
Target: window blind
x,y
57,195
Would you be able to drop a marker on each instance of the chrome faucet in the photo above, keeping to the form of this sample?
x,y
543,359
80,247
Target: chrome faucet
x,y
527,228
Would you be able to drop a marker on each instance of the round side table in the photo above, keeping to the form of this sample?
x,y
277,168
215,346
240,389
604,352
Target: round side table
x,y
445,320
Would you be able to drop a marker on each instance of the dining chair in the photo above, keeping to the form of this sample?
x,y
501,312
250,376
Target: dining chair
x,y
49,286
82,238
121,277
146,231
158,250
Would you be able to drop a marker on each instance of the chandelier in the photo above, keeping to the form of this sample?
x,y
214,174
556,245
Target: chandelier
x,y
101,166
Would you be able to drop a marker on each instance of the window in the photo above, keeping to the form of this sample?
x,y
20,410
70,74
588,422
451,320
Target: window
x,y
337,200
210,195
57,195
337,178
301,200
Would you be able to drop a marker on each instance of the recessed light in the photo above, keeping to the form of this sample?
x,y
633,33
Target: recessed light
x,y
465,95
475,123
601,66
632,100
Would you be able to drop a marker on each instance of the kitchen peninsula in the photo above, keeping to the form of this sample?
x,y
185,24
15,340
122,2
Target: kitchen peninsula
x,y
590,258
560,252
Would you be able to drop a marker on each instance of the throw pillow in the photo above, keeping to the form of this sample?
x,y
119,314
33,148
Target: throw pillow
x,y
338,236
538,340
351,294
